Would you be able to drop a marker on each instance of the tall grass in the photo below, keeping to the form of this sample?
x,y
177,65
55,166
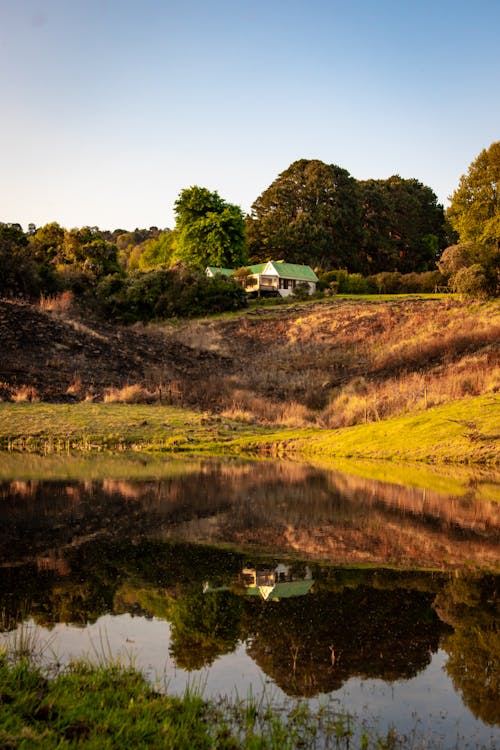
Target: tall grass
x,y
344,364
112,706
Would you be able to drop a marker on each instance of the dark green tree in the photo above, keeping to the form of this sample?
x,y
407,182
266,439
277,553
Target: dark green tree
x,y
310,214
19,273
210,231
404,226
470,604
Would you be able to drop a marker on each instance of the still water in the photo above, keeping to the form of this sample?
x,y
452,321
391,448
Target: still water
x,y
279,580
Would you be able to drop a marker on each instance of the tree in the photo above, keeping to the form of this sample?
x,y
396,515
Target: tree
x,y
309,214
210,232
404,226
47,243
474,211
19,274
204,626
158,251
90,253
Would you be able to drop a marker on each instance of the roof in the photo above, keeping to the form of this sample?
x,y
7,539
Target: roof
x,y
223,271
281,590
293,271
257,268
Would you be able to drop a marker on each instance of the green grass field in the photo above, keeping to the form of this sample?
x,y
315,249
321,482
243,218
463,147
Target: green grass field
x,y
463,432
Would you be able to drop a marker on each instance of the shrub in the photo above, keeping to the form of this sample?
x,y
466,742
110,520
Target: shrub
x,y
471,282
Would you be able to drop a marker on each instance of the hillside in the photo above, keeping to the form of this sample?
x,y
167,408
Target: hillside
x,y
333,363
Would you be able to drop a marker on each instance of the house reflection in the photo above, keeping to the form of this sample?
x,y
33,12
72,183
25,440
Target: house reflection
x,y
273,584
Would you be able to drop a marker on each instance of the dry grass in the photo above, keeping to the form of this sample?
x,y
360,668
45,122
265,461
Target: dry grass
x,y
340,364
59,303
25,393
129,394
249,407
368,401
75,388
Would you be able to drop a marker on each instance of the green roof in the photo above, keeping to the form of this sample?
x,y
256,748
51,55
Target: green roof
x,y
293,271
223,271
283,590
258,268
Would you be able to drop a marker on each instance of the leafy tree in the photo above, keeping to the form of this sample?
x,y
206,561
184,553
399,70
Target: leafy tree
x,y
404,227
19,274
309,214
456,257
474,211
475,215
89,252
470,604
158,251
471,282
210,232
47,243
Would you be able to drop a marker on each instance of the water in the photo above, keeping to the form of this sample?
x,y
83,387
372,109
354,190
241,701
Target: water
x,y
283,581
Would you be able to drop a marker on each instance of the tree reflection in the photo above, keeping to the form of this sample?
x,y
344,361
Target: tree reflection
x,y
471,604
204,626
314,643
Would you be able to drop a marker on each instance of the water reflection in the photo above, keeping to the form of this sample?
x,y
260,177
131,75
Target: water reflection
x,y
278,507
243,558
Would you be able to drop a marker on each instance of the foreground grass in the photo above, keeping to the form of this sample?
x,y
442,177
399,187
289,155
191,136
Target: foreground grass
x,y
113,707
464,431
90,427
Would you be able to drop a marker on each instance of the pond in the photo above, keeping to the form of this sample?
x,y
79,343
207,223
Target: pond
x,y
280,580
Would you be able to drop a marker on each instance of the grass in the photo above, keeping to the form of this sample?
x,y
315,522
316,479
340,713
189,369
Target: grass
x,y
94,427
109,706
462,432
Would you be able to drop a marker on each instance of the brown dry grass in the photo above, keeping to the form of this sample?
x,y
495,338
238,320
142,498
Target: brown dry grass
x,y
344,363
25,393
129,394
59,303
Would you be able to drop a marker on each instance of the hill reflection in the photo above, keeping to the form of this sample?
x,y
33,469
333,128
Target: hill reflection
x,y
283,507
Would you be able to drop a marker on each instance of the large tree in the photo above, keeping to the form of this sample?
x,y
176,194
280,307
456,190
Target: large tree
x,y
210,231
404,226
474,211
18,271
309,214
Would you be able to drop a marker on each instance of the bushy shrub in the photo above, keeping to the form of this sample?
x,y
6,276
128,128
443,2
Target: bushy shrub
x,y
470,282
167,292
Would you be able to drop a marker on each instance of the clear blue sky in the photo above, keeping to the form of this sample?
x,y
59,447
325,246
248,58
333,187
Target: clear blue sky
x,y
111,107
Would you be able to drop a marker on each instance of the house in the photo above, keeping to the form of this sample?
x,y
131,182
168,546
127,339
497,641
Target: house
x,y
275,584
274,277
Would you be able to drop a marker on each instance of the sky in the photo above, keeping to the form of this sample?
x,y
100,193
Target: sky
x,y
111,107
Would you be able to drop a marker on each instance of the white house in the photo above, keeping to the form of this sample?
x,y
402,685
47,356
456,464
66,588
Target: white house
x,y
274,277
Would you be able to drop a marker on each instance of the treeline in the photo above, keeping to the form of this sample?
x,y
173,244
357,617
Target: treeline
x,y
360,236
127,276
318,214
